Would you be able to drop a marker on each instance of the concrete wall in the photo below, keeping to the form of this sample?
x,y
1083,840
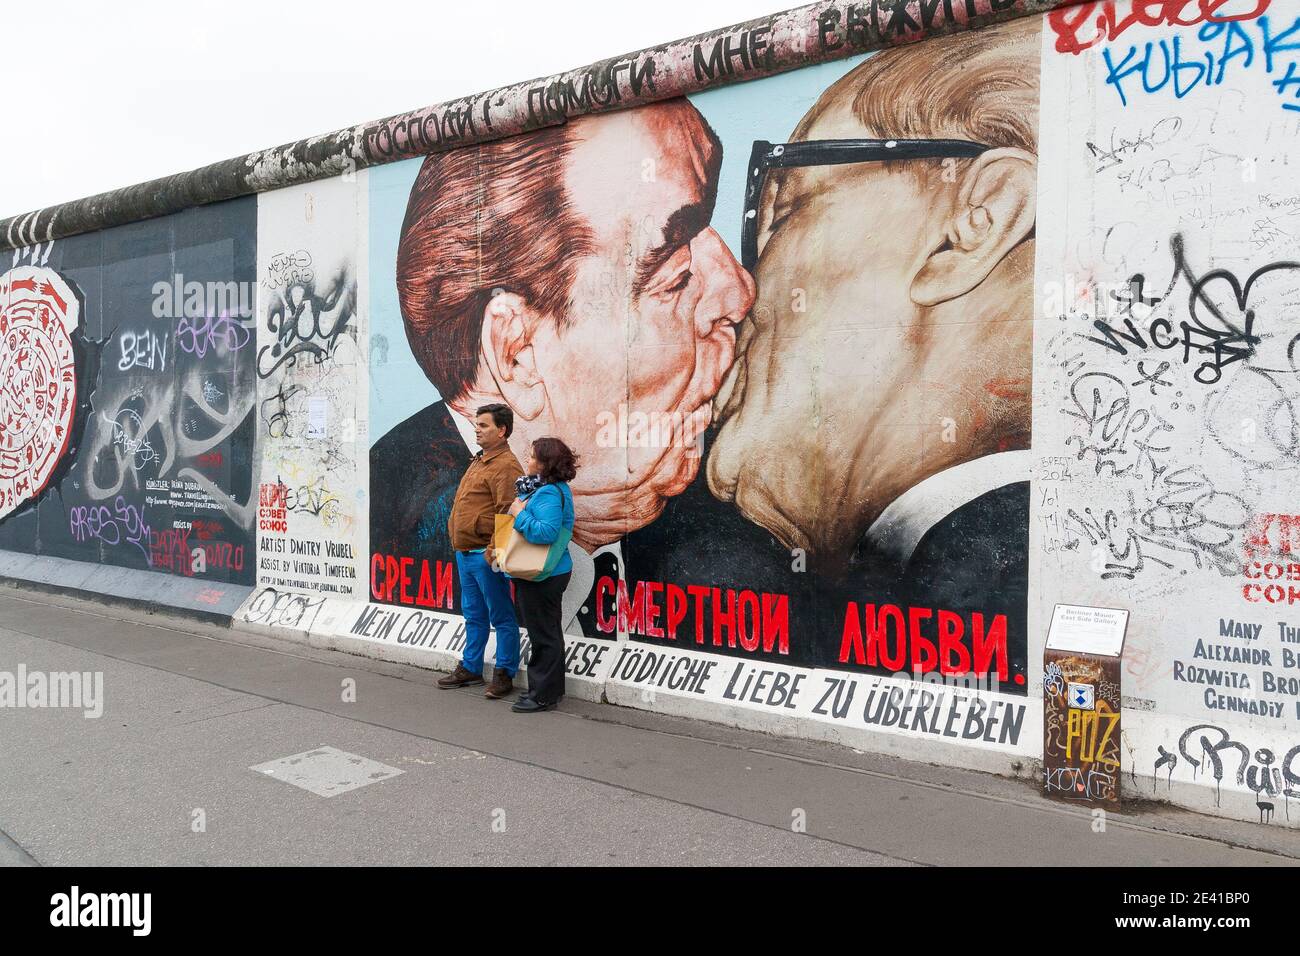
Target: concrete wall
x,y
1165,428
129,396
835,473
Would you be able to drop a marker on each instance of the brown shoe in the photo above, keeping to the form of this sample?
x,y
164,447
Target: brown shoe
x,y
460,677
502,684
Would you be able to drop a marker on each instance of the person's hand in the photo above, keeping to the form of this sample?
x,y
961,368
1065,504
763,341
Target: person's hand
x,y
517,507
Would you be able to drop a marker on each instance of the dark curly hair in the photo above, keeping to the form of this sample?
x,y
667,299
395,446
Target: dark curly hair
x,y
556,460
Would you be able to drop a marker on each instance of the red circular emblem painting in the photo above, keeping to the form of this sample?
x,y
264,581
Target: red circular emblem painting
x,y
38,381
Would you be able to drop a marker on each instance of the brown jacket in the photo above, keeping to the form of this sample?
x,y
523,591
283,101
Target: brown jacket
x,y
487,489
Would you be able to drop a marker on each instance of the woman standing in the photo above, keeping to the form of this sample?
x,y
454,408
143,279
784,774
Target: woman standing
x,y
544,512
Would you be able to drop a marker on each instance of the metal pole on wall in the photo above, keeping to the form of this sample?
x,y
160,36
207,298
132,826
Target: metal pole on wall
x,y
803,36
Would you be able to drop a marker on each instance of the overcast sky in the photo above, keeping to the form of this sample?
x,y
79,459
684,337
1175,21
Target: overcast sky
x,y
103,95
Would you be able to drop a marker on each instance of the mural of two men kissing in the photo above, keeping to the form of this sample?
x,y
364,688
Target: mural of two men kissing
x,y
795,362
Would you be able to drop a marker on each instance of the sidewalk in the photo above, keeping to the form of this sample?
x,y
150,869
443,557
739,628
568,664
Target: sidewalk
x,y
190,708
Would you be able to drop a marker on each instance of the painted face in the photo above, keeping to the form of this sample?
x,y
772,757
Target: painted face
x,y
651,332
839,399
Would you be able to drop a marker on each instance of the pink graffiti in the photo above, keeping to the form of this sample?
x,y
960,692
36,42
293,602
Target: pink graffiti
x,y
196,336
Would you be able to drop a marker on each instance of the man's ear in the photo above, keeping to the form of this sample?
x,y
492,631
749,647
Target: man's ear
x,y
506,342
994,211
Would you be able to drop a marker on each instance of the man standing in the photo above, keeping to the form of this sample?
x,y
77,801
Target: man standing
x,y
486,490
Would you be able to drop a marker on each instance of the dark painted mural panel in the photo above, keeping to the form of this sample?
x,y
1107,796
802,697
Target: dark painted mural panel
x,y
155,470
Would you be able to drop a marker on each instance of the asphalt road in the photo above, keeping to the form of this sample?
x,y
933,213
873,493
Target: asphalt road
x,y
406,773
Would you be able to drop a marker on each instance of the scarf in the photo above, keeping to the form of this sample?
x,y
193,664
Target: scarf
x,y
525,485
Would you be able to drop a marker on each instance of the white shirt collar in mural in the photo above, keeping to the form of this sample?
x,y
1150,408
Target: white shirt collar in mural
x,y
902,525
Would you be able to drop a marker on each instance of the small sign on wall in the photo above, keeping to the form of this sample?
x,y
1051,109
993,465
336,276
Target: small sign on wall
x,y
318,411
1082,696
1087,630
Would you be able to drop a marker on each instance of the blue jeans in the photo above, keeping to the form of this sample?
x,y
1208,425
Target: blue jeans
x,y
484,598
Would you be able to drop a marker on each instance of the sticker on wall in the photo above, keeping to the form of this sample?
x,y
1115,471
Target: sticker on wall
x,y
1082,696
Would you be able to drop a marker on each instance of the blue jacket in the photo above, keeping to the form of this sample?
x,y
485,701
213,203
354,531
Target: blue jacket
x,y
547,511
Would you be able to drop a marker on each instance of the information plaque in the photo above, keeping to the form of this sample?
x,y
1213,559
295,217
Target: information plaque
x,y
1081,703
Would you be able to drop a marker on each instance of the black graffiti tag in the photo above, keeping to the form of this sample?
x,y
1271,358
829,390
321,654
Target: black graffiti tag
x,y
277,419
1228,342
306,324
1262,777
1218,337
1120,437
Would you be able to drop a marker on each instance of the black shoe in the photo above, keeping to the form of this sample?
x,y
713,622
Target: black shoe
x,y
526,705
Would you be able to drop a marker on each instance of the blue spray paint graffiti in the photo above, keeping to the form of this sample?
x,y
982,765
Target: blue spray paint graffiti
x,y
1219,51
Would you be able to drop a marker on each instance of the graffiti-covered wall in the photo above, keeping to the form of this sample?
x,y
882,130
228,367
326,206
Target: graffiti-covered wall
x,y
1166,435
311,388
128,395
868,366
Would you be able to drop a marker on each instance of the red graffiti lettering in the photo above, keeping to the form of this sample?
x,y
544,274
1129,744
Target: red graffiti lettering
x,y
1105,24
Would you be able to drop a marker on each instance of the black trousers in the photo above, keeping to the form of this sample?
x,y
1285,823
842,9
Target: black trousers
x,y
539,611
